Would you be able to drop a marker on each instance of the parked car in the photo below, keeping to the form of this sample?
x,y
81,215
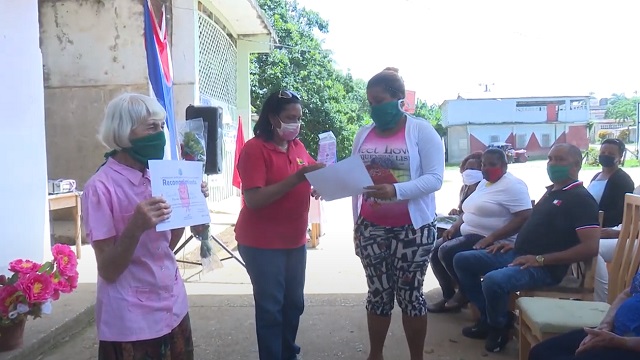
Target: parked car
x,y
513,156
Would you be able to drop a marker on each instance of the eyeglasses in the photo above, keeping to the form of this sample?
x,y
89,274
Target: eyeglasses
x,y
288,94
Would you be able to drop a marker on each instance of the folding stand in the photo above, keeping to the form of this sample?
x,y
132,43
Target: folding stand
x,y
217,241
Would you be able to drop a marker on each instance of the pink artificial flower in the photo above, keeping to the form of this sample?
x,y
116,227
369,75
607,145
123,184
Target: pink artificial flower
x,y
24,266
56,295
36,287
8,297
65,259
64,285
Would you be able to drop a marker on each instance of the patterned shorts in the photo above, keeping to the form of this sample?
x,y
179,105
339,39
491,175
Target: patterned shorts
x,y
395,260
176,345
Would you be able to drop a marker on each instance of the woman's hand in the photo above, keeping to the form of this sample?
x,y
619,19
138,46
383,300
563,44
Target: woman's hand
x,y
598,339
204,187
448,234
484,243
150,213
382,191
307,169
501,247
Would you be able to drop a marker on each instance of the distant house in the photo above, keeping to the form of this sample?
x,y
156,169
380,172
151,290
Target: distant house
x,y
531,123
611,127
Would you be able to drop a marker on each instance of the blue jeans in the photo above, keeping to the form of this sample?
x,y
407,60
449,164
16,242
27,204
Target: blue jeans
x,y
277,276
491,295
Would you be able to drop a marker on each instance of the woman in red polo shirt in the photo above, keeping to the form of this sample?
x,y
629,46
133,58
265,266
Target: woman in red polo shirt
x,y
272,226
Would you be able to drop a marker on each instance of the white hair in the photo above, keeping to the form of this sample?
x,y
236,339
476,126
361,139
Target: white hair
x,y
123,114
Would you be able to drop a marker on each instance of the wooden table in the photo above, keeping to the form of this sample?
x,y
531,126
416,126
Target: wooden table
x,y
65,201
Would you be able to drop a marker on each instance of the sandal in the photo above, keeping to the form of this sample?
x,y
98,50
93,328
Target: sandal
x,y
439,307
456,303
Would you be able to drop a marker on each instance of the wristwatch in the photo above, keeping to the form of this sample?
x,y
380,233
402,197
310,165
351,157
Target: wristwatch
x,y
540,260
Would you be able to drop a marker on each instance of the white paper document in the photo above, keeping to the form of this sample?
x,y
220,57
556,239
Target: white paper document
x,y
340,180
179,183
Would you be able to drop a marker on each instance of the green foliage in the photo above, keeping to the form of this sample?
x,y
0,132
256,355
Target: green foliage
x,y
331,99
431,113
622,108
591,156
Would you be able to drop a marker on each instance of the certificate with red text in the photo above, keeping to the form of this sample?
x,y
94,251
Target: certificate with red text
x,y
179,183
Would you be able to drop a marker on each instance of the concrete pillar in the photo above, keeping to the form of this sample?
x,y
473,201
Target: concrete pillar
x,y
184,53
24,218
248,44
243,101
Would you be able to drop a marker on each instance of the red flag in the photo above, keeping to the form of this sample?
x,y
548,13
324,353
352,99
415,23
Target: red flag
x,y
236,182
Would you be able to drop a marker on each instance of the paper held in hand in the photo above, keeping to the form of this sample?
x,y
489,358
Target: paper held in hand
x,y
179,183
343,179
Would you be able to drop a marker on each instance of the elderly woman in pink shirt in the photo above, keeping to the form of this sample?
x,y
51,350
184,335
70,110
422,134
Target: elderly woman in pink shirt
x,y
141,307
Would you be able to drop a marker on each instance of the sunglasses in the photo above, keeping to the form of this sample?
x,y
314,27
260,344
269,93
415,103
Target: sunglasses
x,y
288,94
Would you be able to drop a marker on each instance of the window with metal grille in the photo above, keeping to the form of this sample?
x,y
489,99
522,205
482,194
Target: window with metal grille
x,y
495,138
545,140
521,140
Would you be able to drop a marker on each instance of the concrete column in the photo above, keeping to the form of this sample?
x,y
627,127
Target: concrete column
x,y
184,53
248,44
24,209
243,100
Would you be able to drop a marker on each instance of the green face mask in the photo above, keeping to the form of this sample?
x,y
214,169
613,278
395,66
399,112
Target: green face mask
x,y
386,115
558,173
149,147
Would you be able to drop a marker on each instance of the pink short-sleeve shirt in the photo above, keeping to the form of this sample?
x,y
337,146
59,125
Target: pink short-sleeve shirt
x,y
149,299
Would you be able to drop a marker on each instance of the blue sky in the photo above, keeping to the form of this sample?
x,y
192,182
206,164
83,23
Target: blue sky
x,y
525,48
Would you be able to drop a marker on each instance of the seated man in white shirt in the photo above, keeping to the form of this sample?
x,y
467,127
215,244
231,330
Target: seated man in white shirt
x,y
608,241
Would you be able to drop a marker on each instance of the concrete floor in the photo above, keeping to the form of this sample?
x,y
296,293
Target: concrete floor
x,y
334,325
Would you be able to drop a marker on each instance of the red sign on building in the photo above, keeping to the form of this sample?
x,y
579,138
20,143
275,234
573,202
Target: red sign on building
x,y
410,101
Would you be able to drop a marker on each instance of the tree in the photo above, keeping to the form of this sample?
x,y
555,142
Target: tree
x,y
622,108
331,99
431,113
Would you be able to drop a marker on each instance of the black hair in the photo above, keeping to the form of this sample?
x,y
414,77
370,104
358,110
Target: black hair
x,y
498,154
617,143
275,103
389,79
473,156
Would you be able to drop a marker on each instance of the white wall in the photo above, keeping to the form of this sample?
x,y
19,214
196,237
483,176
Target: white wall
x,y
488,111
23,210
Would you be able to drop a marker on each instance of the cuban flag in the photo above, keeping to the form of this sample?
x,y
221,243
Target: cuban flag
x,y
161,73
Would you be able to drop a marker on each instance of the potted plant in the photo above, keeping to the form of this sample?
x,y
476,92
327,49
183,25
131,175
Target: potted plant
x,y
30,290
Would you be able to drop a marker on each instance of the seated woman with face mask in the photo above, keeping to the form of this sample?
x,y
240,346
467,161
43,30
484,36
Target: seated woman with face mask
x,y
609,188
471,177
494,212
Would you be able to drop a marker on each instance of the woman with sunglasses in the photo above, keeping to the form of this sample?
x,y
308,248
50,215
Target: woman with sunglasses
x,y
395,226
272,226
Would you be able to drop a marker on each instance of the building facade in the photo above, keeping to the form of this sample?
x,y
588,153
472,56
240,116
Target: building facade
x,y
534,124
94,50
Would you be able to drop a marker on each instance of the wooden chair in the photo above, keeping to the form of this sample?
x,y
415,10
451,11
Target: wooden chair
x,y
541,318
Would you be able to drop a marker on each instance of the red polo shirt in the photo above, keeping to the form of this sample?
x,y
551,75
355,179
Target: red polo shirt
x,y
283,223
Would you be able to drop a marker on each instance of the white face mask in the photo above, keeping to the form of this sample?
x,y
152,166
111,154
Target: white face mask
x,y
289,131
470,176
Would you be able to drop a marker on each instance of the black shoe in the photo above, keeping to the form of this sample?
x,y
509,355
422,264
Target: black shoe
x,y
479,331
497,339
